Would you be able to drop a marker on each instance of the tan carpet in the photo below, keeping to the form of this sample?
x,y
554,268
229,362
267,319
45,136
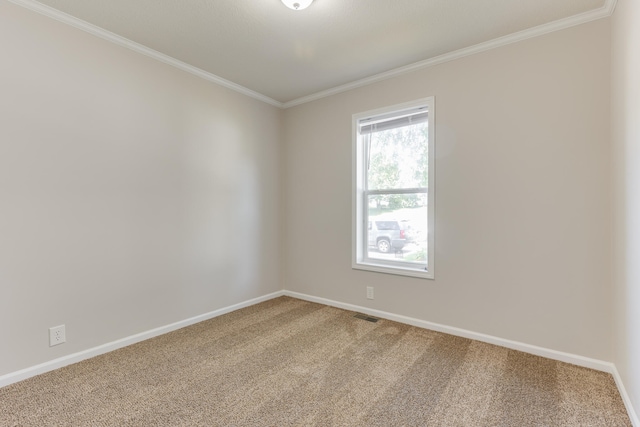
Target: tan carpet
x,y
288,362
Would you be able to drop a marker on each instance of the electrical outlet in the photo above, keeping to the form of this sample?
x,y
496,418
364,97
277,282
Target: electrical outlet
x,y
369,292
57,335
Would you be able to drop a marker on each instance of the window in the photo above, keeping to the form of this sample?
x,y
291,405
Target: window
x,y
393,189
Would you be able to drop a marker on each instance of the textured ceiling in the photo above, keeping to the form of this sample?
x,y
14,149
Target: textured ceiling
x,y
287,55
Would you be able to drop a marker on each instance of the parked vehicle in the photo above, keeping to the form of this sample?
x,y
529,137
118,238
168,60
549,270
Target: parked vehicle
x,y
388,235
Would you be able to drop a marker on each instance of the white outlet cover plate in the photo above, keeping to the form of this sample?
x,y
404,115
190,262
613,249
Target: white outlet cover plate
x,y
57,335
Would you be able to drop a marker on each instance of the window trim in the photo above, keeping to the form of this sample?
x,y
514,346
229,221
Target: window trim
x,y
359,213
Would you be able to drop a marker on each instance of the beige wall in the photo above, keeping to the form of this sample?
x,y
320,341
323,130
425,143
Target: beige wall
x,y
522,194
132,194
625,119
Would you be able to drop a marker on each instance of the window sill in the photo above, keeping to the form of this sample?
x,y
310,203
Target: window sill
x,y
395,270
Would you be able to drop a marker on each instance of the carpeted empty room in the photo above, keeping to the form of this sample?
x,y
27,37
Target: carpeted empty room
x,y
362,213
288,362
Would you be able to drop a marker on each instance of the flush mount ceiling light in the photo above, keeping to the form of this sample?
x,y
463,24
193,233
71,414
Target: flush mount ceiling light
x,y
297,4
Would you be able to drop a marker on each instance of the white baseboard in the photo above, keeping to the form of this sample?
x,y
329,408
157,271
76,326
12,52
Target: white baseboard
x,y
633,415
574,359
32,371
515,345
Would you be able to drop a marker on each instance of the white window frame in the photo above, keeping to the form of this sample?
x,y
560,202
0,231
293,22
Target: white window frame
x,y
360,259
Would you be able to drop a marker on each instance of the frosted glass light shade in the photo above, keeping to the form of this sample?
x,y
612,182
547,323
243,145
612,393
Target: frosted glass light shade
x,y
297,4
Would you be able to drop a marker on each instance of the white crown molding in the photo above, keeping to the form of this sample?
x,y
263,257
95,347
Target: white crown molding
x,y
136,47
605,11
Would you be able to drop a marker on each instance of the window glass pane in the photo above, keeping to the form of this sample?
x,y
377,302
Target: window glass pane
x,y
397,227
398,157
393,215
